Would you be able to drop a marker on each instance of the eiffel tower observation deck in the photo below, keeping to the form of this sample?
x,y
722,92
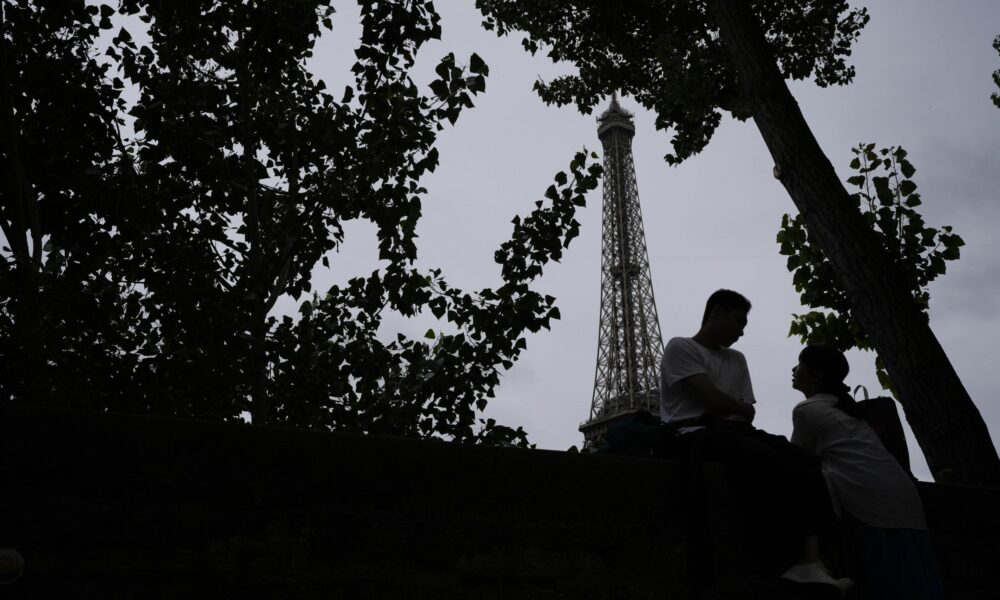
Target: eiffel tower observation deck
x,y
629,346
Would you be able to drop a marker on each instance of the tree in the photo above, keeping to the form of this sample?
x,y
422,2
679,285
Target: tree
x,y
888,203
690,61
236,186
62,328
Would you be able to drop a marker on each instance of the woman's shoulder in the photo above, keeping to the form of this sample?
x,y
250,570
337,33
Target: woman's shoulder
x,y
819,410
817,403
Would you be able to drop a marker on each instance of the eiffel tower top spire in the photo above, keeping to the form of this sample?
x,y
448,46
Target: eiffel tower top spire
x,y
629,344
614,117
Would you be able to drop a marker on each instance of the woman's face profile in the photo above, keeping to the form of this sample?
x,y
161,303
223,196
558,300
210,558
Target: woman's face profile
x,y
805,379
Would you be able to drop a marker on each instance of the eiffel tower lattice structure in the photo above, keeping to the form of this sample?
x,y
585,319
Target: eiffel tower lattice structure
x,y
630,346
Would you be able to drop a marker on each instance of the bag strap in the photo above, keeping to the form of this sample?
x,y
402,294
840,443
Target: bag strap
x,y
860,387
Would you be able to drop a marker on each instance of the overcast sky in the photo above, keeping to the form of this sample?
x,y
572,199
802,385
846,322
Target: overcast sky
x,y
923,82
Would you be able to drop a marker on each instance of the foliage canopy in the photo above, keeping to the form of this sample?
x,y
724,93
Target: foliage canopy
x,y
669,55
147,277
887,198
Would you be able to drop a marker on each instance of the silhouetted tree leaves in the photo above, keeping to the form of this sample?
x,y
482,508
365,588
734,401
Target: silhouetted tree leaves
x,y
64,307
166,252
669,55
887,198
996,74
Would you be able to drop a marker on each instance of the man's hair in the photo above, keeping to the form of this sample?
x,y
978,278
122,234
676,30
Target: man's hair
x,y
726,300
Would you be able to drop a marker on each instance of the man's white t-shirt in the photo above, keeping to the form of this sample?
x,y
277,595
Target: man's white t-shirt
x,y
684,357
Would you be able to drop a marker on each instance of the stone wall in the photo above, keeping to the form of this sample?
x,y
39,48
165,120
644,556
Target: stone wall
x,y
120,506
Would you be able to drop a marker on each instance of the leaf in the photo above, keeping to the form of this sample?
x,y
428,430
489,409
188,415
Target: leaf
x,y
123,36
906,187
476,65
885,381
443,69
476,84
882,190
906,168
429,334
440,88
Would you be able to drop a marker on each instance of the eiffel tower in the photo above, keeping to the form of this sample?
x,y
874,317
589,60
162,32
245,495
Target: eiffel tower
x,y
629,345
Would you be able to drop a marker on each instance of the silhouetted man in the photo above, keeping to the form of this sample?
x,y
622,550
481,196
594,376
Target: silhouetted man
x,y
707,397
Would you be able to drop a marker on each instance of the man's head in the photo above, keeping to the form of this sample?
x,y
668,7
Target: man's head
x,y
725,316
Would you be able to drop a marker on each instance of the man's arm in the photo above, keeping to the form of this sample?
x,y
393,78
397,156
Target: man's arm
x,y
700,388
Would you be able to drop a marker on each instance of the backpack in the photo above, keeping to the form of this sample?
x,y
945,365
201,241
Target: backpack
x,y
638,433
882,415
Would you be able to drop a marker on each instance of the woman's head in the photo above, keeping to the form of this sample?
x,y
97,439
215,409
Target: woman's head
x,y
821,369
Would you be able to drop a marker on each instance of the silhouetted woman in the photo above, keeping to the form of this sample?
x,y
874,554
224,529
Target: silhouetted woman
x,y
873,495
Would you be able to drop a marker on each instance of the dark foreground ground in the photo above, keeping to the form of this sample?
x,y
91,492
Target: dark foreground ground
x,y
117,506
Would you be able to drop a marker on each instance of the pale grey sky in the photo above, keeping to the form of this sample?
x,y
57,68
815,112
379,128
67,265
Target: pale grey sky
x,y
923,82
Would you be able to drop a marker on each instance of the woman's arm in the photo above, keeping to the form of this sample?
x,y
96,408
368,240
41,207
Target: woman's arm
x,y
805,432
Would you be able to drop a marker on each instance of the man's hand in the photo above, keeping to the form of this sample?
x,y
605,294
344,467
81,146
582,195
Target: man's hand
x,y
743,412
748,412
715,401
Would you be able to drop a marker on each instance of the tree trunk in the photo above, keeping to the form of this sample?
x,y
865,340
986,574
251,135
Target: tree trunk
x,y
260,403
253,283
949,428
